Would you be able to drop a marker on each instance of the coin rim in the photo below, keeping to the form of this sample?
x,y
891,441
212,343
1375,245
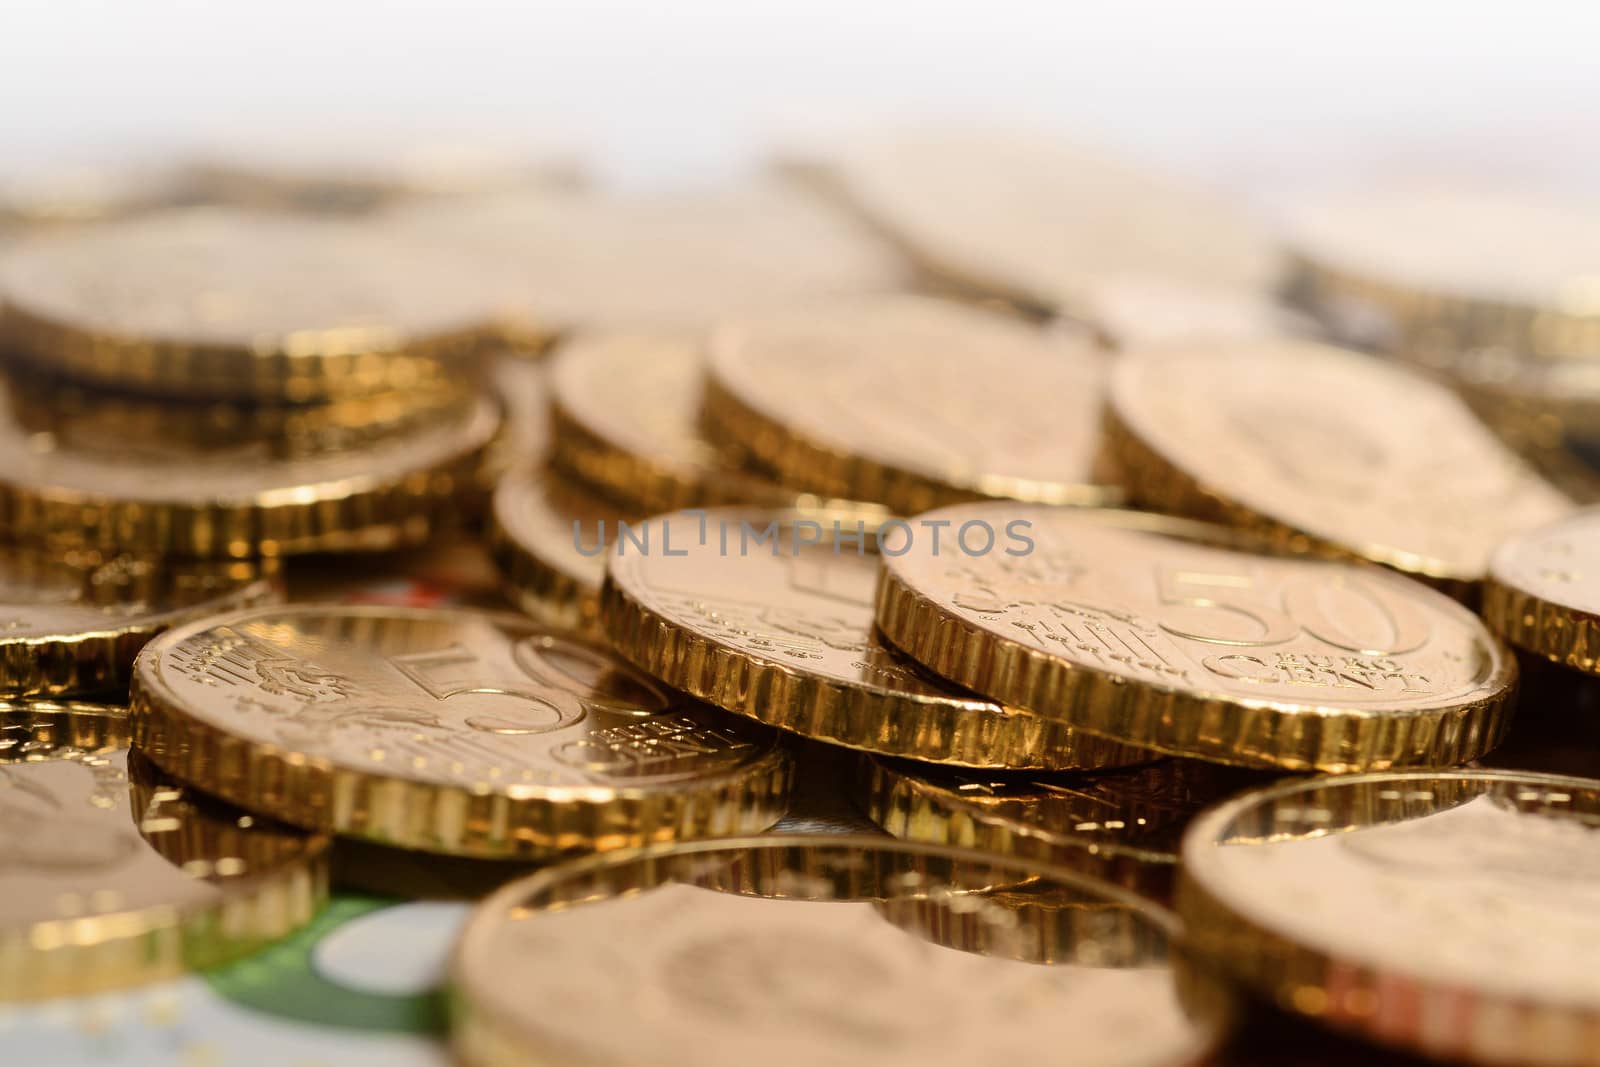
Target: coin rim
x,y
852,714
359,512
809,463
1561,633
513,820
1279,968
1155,480
93,953
1199,724
100,659
483,1037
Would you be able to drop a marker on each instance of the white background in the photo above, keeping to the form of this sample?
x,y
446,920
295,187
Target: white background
x,y
1245,94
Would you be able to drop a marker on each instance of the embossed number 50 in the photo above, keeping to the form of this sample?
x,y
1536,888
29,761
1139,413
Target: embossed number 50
x,y
1299,609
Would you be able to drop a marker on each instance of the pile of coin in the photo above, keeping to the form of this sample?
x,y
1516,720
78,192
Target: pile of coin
x,y
953,597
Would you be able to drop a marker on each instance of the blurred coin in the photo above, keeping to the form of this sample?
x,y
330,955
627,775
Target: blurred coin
x,y
523,388
74,621
89,192
113,875
117,474
219,303
1543,593
1308,443
910,403
549,539
350,178
624,409
1120,825
600,261
782,632
650,961
1178,636
451,731
1434,270
1451,913
1048,223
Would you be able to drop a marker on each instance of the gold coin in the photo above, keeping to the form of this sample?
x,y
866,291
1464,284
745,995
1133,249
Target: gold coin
x,y
114,875
1120,825
1448,913
345,179
623,415
254,307
74,621
588,260
1543,593
1306,443
1045,223
89,192
910,403
524,392
1176,636
782,632
125,475
1034,922
651,961
548,538
1436,270
448,731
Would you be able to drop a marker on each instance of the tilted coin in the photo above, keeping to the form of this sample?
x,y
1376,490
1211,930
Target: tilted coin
x,y
72,622
781,632
1437,270
910,403
1047,223
1138,312
216,303
119,474
450,731
1180,637
1451,913
1543,593
651,960
1309,443
114,875
589,260
624,408
549,538
1121,825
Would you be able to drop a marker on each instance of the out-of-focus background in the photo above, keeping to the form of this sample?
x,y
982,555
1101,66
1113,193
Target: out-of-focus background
x,y
1246,95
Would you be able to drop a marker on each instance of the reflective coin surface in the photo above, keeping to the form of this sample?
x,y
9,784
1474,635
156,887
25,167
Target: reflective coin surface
x,y
625,408
822,957
909,402
589,260
114,875
1047,223
452,731
1121,825
550,539
72,622
220,303
1451,913
1436,268
1543,593
1182,637
1313,442
117,474
780,630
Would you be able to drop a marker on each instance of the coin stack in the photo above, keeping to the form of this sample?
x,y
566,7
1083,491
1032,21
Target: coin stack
x,y
946,599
